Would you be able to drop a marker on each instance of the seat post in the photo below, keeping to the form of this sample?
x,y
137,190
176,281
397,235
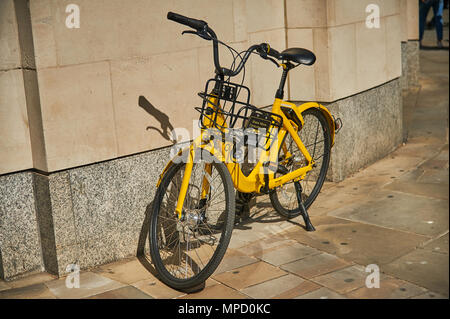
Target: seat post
x,y
280,91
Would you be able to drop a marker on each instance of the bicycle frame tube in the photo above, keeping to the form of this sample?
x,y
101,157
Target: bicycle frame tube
x,y
255,180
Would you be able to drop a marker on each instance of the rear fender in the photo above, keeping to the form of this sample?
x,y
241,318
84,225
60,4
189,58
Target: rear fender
x,y
299,109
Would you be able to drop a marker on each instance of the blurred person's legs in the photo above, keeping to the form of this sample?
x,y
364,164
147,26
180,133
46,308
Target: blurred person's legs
x,y
424,8
438,10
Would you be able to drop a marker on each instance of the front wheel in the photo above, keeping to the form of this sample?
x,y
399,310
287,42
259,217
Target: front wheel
x,y
315,135
185,251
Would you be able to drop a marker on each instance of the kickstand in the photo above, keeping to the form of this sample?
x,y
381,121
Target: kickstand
x,y
298,190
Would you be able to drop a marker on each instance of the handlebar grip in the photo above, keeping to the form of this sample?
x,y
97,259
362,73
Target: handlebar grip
x,y
193,23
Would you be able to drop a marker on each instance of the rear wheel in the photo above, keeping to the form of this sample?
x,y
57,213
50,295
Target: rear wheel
x,y
186,251
315,135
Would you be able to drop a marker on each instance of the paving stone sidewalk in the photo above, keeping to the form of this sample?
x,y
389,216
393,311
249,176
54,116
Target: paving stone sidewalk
x,y
393,214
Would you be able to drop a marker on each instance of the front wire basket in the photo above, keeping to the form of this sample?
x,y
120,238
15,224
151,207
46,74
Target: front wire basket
x,y
230,108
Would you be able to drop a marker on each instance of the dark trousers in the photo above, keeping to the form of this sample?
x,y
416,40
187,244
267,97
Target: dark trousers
x,y
424,8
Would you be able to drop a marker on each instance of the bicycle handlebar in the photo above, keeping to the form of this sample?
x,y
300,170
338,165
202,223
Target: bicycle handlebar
x,y
193,23
204,31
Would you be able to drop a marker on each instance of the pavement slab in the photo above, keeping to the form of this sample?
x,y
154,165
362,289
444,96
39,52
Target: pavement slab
x,y
287,253
127,292
322,293
414,214
357,242
126,271
430,295
90,284
343,280
35,291
257,248
438,245
275,287
431,190
234,259
389,289
157,289
3,286
315,265
218,291
249,275
422,267
31,280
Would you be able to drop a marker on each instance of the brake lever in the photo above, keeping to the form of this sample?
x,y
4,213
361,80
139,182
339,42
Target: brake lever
x,y
265,57
202,34
273,60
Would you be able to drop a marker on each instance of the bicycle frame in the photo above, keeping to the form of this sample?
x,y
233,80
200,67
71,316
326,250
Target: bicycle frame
x,y
255,182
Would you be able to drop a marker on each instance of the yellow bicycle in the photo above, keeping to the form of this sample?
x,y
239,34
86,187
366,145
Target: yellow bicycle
x,y
287,149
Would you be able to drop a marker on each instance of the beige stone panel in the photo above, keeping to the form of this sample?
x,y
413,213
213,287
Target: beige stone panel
x,y
390,7
35,119
306,13
265,15
15,146
77,115
393,47
403,20
114,29
322,65
206,63
342,59
240,20
42,22
9,36
371,64
412,8
169,85
350,11
265,76
301,79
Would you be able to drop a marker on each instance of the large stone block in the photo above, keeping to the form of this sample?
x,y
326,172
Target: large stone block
x,y
265,76
96,214
9,36
412,14
372,128
306,13
77,115
342,12
117,29
43,36
264,15
144,113
15,146
302,82
342,63
371,56
20,250
393,47
413,61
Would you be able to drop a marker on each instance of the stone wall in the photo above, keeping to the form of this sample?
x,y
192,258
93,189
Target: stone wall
x,y
372,128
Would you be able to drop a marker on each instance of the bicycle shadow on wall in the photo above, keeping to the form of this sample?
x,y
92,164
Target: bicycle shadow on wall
x,y
166,130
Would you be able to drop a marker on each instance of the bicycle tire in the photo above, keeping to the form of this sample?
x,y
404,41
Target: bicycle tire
x,y
308,115
227,216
